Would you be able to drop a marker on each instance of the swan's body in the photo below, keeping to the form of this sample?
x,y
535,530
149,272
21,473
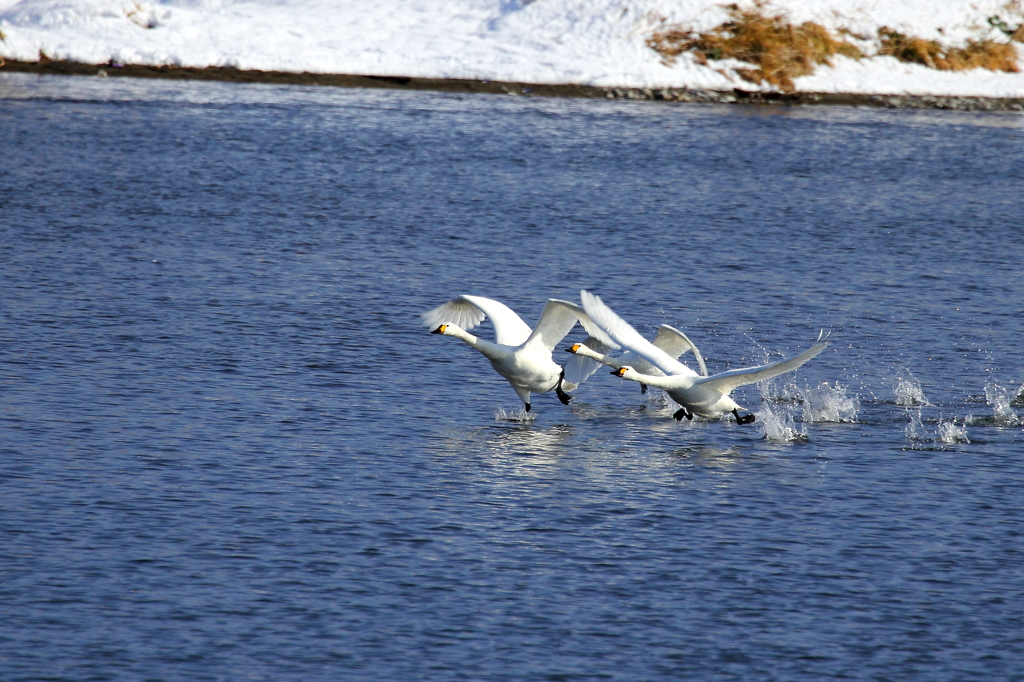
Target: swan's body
x,y
668,339
520,354
703,396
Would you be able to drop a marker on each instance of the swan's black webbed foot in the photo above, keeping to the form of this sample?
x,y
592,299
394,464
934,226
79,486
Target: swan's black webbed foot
x,y
643,389
683,412
562,395
748,419
527,406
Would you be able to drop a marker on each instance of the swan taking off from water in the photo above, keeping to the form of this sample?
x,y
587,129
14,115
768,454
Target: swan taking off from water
x,y
668,339
522,355
703,396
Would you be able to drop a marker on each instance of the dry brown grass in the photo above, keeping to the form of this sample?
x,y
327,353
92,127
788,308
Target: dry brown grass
x,y
977,54
778,50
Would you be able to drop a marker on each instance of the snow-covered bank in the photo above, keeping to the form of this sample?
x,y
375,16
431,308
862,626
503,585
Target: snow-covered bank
x,y
599,43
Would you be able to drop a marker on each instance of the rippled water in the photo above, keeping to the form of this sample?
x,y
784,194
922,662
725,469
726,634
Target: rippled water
x,y
229,451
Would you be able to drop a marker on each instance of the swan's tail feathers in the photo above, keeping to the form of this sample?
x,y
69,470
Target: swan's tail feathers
x,y
579,368
457,311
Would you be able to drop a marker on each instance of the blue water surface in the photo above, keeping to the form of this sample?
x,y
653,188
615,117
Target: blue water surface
x,y
228,449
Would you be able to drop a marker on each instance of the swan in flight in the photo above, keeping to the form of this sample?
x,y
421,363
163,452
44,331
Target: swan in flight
x,y
668,339
520,354
703,396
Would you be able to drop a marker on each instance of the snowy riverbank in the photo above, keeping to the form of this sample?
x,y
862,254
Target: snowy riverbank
x,y
601,44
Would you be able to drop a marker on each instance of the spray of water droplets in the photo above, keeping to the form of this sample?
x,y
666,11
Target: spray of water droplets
x,y
778,425
908,390
950,432
1001,400
947,432
824,403
520,415
829,403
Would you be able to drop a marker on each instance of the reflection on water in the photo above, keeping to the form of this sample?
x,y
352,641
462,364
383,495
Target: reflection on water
x,y
711,456
545,445
514,446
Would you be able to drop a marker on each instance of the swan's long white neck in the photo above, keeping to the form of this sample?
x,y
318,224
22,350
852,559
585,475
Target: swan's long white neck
x,y
587,352
490,350
666,383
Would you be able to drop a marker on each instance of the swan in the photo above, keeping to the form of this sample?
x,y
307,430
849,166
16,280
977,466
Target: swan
x,y
702,396
520,354
668,339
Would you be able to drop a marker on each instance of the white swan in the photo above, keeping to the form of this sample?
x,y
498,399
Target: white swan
x,y
522,355
668,339
703,396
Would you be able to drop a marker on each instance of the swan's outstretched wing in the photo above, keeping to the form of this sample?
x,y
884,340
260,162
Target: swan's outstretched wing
x,y
579,367
727,381
469,311
675,343
558,319
622,332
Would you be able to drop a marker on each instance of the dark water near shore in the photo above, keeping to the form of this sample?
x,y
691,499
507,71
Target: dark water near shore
x,y
229,451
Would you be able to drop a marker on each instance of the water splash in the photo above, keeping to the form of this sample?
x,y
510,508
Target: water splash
x,y
951,432
908,390
1019,400
915,429
778,392
948,432
520,415
659,399
1001,401
777,425
829,403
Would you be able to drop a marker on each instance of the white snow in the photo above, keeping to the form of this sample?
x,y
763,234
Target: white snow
x,y
589,42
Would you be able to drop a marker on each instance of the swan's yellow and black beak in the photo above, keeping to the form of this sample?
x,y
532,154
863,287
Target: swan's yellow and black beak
x,y
620,372
440,330
574,348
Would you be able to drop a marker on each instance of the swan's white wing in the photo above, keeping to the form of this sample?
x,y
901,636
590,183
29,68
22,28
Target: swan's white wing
x,y
622,332
727,381
675,343
509,328
579,367
594,331
558,319
457,311
469,311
